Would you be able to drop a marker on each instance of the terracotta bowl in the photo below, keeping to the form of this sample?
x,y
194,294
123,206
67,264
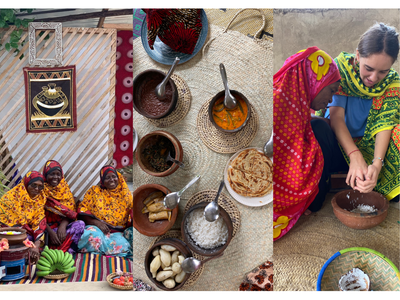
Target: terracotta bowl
x,y
151,139
180,246
138,84
13,239
347,200
141,221
235,94
191,243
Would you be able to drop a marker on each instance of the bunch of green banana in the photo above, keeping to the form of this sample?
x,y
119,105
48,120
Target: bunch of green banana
x,y
52,259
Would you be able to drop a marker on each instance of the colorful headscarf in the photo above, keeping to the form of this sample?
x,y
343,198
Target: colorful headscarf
x,y
384,115
60,200
103,173
50,166
298,159
17,208
178,28
32,177
113,207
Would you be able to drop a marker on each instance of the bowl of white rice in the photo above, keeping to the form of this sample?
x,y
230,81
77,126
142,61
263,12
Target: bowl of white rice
x,y
203,237
360,210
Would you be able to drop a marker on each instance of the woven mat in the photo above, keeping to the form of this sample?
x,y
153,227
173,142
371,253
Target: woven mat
x,y
222,17
182,105
301,253
90,267
223,142
249,65
224,201
195,275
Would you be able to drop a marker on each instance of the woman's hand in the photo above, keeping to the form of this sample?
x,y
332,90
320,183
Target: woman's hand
x,y
371,179
103,227
358,169
62,230
53,237
34,254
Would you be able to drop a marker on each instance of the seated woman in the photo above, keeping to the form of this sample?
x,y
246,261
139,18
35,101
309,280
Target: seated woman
x,y
306,81
23,207
107,212
364,116
62,228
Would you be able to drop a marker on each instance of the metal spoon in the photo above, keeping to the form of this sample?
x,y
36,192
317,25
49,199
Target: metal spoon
x,y
269,146
211,212
230,102
160,89
191,264
169,158
172,199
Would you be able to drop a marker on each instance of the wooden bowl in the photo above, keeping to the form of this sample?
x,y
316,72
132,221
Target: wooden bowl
x,y
141,221
13,239
180,246
139,83
347,200
235,94
151,139
191,243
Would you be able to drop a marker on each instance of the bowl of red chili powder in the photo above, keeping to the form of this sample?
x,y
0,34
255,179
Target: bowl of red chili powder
x,y
145,100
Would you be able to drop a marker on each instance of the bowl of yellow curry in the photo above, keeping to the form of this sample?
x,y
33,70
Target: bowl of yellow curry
x,y
229,120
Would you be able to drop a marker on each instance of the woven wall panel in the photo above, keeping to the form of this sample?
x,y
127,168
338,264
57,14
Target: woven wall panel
x,y
81,153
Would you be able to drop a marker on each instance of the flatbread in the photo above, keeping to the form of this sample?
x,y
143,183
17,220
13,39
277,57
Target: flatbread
x,y
250,174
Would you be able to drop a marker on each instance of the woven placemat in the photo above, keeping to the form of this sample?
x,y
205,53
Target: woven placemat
x,y
224,201
182,106
223,142
382,276
195,275
301,253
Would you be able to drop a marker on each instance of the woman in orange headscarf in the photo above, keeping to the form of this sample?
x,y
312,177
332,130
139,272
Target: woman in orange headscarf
x,y
107,212
307,81
23,206
63,229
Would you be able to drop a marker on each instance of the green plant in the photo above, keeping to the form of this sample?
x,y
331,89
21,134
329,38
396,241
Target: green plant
x,y
3,188
7,18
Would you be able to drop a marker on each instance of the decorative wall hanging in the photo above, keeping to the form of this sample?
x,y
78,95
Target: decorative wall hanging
x,y
50,99
57,27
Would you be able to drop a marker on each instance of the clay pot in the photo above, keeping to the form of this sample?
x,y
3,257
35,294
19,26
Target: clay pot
x,y
219,95
141,221
151,139
191,243
180,246
347,200
138,83
13,239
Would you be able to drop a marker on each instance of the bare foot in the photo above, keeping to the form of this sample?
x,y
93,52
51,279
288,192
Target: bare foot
x,y
307,212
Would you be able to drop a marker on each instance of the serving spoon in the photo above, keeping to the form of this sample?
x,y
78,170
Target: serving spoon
x,y
160,89
269,146
169,158
211,212
191,264
172,199
230,102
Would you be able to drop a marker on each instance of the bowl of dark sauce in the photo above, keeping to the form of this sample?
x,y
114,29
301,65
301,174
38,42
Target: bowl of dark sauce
x,y
145,100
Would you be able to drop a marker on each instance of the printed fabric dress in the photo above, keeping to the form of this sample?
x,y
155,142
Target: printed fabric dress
x,y
383,115
60,204
18,209
114,208
298,158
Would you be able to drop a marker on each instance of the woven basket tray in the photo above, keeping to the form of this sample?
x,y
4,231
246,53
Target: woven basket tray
x,y
56,275
111,276
382,272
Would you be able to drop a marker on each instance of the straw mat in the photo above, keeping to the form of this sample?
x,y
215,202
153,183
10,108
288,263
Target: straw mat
x,y
301,253
249,68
